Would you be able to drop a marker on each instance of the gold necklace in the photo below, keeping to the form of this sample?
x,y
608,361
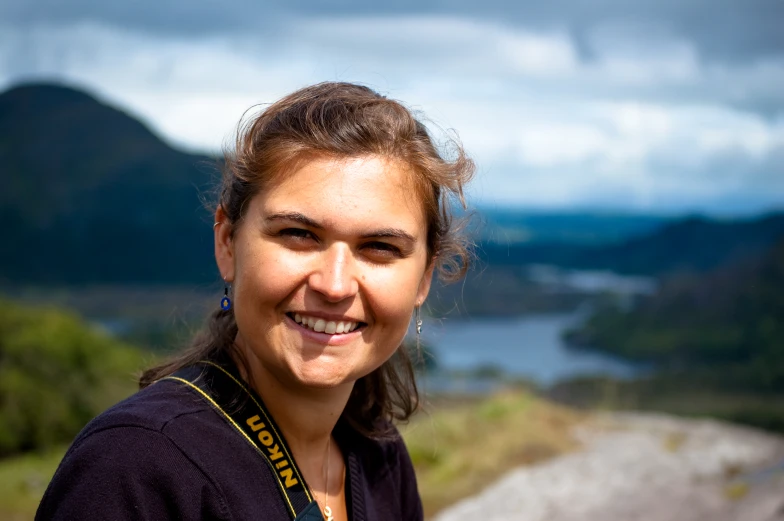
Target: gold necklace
x,y
327,510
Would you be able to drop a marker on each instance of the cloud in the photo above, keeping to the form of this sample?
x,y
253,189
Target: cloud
x,y
721,30
603,110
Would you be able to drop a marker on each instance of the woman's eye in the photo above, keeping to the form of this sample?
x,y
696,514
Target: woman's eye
x,y
383,249
296,233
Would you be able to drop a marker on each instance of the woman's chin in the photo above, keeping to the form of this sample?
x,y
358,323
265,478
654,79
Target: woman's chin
x,y
322,375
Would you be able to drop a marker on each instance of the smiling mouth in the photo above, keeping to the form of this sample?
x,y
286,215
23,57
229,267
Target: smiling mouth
x,y
330,327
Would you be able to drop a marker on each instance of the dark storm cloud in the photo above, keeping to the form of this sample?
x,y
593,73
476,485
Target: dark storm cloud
x,y
722,30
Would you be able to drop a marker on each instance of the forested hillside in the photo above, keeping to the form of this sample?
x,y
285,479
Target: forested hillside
x,y
693,244
726,326
90,194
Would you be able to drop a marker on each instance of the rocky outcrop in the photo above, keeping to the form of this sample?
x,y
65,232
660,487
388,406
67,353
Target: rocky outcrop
x,y
644,467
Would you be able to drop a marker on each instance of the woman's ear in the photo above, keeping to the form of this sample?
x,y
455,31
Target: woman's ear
x,y
424,284
224,247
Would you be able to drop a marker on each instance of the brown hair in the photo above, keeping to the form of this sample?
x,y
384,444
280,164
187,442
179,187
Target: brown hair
x,y
342,120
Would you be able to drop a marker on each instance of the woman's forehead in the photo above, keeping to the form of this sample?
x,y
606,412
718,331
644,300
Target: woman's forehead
x,y
347,189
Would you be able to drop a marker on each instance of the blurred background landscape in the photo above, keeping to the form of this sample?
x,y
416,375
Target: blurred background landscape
x,y
628,212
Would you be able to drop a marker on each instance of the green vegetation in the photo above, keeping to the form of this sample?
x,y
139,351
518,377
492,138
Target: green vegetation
x,y
731,320
153,317
56,373
717,340
23,480
680,393
464,445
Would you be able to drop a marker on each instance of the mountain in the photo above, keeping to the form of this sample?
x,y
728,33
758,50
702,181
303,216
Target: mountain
x,y
89,194
692,244
510,226
499,284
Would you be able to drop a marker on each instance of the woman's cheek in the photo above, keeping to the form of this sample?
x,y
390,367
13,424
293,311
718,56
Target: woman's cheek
x,y
402,282
272,272
394,305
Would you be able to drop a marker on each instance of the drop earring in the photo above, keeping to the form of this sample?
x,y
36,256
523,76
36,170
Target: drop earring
x,y
225,302
418,319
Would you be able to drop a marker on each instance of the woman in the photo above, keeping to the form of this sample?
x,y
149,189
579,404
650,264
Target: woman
x,y
333,215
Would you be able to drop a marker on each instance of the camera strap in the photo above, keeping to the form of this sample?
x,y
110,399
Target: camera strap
x,y
244,410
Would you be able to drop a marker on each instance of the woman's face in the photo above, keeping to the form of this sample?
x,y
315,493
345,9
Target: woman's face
x,y
327,266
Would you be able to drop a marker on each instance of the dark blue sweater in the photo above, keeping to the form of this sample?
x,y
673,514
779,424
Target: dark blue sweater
x,y
165,453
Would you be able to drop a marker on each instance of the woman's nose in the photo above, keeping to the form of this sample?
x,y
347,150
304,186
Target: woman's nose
x,y
335,275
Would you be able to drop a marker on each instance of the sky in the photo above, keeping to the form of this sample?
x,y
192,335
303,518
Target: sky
x,y
666,106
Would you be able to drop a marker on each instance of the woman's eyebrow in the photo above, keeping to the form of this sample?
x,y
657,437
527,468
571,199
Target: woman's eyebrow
x,y
388,233
293,216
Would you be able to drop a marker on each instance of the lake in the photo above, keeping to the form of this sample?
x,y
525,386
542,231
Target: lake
x,y
529,347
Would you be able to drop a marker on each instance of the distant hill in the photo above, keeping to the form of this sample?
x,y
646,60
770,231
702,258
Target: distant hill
x,y
89,194
728,324
498,284
517,226
693,244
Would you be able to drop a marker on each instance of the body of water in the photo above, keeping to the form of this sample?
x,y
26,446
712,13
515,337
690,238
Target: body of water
x,y
529,347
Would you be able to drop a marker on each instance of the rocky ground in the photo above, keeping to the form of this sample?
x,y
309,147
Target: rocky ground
x,y
644,467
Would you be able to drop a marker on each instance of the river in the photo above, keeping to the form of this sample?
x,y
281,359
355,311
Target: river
x,y
528,347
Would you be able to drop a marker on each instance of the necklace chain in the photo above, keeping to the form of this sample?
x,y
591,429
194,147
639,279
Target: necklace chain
x,y
327,510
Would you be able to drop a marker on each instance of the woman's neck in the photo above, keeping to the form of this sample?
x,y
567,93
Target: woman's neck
x,y
306,416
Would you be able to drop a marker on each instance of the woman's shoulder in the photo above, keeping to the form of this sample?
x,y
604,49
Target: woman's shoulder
x,y
163,453
126,464
152,408
153,424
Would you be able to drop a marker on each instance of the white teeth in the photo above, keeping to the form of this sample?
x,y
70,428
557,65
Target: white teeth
x,y
321,325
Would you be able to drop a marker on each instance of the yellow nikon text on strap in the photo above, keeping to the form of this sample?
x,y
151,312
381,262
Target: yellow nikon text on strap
x,y
244,411
265,437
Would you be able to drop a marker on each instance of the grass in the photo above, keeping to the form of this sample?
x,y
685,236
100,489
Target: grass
x,y
460,448
23,480
678,395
